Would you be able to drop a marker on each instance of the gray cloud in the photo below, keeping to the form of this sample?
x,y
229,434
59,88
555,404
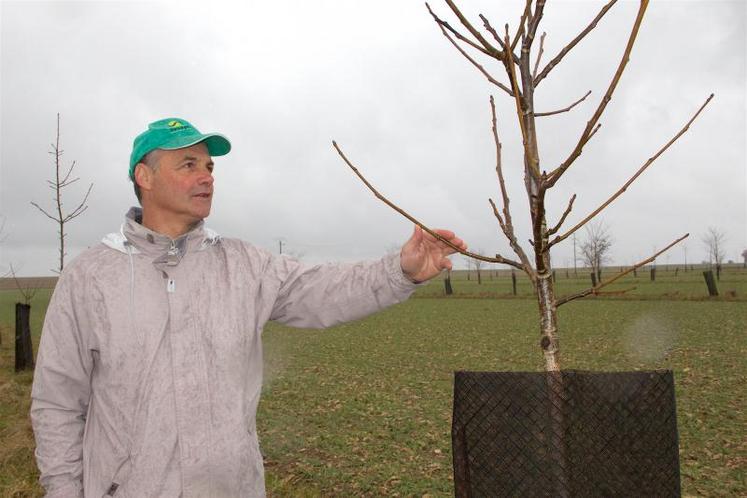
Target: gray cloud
x,y
282,79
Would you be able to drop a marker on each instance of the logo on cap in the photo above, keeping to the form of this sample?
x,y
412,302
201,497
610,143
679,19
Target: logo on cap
x,y
175,124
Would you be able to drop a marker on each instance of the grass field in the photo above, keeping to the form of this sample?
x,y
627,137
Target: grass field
x,y
364,409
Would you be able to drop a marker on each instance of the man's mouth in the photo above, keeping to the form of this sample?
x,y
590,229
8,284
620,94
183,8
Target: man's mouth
x,y
204,195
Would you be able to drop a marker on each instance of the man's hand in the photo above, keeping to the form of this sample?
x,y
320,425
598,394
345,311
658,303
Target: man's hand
x,y
423,256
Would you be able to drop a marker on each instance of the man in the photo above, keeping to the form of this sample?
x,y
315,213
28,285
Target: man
x,y
150,363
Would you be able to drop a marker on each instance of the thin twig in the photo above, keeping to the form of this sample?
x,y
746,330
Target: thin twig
x,y
539,56
81,207
540,114
69,171
456,33
558,172
507,227
632,178
554,229
595,289
43,211
490,48
572,44
471,60
492,31
497,259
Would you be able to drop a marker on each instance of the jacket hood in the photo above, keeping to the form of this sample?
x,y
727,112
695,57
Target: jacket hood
x,y
135,238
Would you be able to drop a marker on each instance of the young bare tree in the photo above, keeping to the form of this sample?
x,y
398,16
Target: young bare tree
x,y
714,240
61,181
744,257
595,249
514,52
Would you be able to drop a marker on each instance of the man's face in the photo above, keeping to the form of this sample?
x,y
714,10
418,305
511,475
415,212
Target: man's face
x,y
180,189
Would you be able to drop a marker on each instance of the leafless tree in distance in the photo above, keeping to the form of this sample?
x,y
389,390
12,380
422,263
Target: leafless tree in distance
x,y
478,265
61,181
595,249
714,240
744,257
514,52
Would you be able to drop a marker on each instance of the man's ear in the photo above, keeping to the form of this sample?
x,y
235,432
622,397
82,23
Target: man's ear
x,y
143,176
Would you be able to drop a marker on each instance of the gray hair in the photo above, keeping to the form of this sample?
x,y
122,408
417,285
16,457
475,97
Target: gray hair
x,y
152,160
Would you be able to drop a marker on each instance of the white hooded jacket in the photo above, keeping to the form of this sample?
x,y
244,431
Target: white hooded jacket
x,y
150,364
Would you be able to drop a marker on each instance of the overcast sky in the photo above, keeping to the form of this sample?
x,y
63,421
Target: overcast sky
x,y
283,79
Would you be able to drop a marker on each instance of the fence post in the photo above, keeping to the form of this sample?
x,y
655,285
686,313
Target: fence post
x,y
513,281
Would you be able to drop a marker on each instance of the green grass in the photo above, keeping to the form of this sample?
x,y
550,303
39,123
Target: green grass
x,y
364,409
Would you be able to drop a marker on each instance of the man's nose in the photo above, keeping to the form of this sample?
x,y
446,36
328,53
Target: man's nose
x,y
206,177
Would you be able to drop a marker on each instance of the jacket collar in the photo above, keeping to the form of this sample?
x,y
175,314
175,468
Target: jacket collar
x,y
161,247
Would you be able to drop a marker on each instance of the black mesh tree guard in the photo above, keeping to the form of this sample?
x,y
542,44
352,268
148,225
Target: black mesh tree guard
x,y
572,434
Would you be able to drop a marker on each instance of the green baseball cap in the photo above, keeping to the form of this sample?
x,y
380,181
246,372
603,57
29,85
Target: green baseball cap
x,y
171,134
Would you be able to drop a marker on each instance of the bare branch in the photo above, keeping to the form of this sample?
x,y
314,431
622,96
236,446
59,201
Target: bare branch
x,y
572,44
532,161
66,183
633,178
558,172
492,31
539,56
533,24
67,175
444,24
508,229
554,229
522,22
497,259
595,290
470,59
540,114
81,207
490,48
43,211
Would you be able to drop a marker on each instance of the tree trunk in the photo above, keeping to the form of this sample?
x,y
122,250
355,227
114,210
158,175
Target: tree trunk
x,y
593,279
24,351
447,285
513,281
653,274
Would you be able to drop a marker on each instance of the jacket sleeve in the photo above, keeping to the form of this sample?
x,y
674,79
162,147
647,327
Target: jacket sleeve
x,y
325,295
60,394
